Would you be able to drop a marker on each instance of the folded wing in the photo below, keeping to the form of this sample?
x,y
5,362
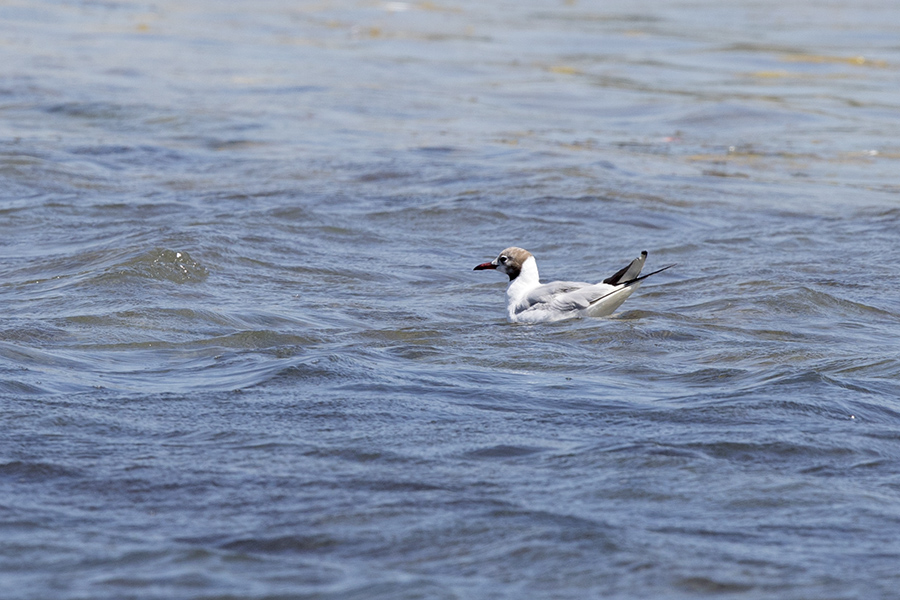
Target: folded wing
x,y
555,295
560,299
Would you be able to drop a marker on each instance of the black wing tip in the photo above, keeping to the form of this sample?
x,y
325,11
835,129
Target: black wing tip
x,y
616,278
642,277
631,282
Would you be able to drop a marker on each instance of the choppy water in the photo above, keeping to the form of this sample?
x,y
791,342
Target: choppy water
x,y
243,353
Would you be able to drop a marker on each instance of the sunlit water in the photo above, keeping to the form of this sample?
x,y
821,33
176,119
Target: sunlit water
x,y
243,353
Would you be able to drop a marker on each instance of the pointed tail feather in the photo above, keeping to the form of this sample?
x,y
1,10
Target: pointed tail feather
x,y
628,283
629,272
642,277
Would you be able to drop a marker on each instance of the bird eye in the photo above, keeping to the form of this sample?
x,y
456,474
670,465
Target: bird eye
x,y
503,259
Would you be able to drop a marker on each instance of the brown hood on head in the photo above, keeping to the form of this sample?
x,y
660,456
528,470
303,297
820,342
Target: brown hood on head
x,y
509,261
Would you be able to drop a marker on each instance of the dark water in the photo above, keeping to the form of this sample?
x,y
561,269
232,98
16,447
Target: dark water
x,y
243,353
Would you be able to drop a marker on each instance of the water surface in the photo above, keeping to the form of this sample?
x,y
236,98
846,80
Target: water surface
x,y
243,353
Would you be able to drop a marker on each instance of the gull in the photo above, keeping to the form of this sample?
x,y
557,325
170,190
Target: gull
x,y
530,301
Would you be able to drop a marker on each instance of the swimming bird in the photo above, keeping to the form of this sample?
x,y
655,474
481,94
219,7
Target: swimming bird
x,y
530,301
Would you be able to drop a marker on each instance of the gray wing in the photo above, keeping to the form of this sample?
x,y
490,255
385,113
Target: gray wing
x,y
572,295
564,295
582,297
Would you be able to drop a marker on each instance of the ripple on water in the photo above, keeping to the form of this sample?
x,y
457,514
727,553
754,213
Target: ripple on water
x,y
243,352
173,266
25,472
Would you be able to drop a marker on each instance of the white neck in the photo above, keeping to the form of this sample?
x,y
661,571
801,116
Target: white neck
x,y
527,280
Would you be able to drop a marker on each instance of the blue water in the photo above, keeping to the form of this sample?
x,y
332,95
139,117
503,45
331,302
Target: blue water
x,y
243,353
